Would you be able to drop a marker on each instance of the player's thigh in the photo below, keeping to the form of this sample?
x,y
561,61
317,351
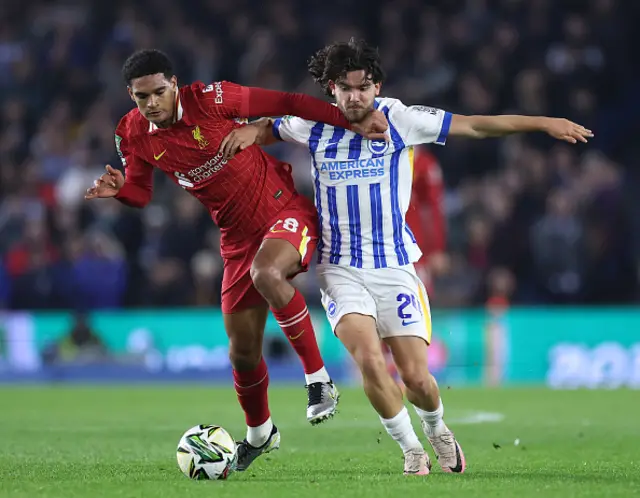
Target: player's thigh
x,y
276,258
343,293
402,302
359,335
352,313
290,243
245,330
238,292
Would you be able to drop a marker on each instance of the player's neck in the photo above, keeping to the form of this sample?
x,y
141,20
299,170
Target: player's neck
x,y
165,124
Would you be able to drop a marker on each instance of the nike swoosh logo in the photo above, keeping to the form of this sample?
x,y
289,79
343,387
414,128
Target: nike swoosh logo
x,y
459,467
159,155
405,323
293,338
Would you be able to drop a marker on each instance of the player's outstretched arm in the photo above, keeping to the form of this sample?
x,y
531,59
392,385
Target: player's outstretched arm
x,y
498,126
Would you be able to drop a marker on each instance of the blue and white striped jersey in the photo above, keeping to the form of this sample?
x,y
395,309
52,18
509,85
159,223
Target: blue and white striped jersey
x,y
363,188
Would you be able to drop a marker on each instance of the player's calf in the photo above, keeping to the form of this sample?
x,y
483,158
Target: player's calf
x,y
251,382
251,388
262,435
277,261
359,335
421,388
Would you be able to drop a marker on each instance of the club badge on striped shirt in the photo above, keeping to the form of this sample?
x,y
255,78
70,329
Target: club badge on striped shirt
x,y
377,146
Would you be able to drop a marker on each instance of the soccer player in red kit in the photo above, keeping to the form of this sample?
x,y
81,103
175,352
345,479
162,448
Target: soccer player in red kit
x,y
268,231
425,215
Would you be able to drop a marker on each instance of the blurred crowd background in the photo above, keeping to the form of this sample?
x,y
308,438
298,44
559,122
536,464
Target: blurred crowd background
x,y
528,218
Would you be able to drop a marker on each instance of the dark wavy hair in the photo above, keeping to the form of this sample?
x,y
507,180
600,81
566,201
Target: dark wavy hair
x,y
334,61
146,62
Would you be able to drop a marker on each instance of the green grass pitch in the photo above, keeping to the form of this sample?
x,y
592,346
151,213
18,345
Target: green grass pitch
x,y
120,442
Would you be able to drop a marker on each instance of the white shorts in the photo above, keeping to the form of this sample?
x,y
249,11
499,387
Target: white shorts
x,y
394,297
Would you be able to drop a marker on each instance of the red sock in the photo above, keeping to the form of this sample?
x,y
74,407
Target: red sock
x,y
295,322
251,388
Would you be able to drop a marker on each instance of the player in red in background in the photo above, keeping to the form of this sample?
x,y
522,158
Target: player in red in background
x,y
268,231
426,219
425,215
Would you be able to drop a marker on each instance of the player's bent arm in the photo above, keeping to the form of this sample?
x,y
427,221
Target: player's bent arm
x,y
137,189
498,126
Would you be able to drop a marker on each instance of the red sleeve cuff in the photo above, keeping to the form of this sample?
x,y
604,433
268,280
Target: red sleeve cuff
x,y
126,192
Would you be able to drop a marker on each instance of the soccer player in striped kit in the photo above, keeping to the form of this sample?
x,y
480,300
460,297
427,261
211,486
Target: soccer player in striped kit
x,y
369,286
268,231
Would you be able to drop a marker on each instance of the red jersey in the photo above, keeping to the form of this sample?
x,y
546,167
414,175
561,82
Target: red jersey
x,y
243,195
425,216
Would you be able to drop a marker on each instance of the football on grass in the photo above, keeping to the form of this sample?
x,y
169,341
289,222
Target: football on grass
x,y
206,452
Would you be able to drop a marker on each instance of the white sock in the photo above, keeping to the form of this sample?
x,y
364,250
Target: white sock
x,y
401,430
257,436
433,420
320,376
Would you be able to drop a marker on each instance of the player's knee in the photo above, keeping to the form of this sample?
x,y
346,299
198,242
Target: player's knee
x,y
417,380
244,356
265,277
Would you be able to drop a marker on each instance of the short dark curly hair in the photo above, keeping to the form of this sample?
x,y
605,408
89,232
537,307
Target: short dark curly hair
x,y
146,62
334,61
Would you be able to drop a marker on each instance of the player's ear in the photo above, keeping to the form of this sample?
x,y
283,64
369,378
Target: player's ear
x,y
332,87
130,93
174,81
378,87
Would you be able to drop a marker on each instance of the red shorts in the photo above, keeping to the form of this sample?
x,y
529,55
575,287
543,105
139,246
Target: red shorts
x,y
297,223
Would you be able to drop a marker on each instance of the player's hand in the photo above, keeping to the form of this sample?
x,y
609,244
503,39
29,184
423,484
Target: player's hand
x,y
566,130
374,126
238,140
108,185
